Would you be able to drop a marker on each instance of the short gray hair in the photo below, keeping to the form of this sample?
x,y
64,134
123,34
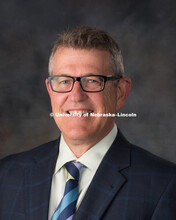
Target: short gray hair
x,y
84,37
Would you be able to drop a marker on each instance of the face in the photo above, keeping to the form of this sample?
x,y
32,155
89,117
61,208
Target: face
x,y
81,62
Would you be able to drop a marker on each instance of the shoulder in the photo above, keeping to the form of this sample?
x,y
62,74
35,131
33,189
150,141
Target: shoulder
x,y
27,158
142,160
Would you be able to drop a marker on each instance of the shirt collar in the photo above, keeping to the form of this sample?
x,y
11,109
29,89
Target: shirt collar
x,y
92,158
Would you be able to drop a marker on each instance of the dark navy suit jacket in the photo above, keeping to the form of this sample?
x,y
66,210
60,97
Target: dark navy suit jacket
x,y
130,184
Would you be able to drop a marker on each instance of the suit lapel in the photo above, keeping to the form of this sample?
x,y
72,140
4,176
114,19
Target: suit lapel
x,y
38,182
107,181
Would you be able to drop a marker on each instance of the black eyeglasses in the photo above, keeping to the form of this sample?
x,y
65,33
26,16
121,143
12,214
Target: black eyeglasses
x,y
89,83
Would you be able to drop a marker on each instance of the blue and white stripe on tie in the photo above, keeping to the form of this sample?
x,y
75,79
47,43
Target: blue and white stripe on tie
x,y
66,208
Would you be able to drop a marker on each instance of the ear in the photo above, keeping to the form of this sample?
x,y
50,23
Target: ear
x,y
123,89
48,87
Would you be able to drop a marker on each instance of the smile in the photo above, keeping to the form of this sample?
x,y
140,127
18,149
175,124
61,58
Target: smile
x,y
79,113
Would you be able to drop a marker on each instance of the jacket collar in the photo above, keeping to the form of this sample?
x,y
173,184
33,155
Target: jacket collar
x,y
105,185
107,181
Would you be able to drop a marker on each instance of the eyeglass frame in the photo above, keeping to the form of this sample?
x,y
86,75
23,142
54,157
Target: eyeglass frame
x,y
106,78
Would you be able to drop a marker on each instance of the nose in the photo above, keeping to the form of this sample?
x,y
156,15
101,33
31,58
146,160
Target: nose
x,y
77,94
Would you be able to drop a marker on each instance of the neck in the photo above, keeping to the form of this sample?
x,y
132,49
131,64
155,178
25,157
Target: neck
x,y
81,146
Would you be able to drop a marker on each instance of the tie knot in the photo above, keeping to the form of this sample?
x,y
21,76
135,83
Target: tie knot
x,y
73,169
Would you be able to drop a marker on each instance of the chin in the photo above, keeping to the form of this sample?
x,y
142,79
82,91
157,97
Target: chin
x,y
78,134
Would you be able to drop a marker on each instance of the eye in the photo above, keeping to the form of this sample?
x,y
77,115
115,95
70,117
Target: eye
x,y
92,81
64,82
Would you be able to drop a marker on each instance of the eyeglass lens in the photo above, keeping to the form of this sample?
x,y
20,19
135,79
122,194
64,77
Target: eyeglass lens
x,y
88,83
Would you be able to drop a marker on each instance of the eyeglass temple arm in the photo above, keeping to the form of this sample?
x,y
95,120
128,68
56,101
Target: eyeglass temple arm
x,y
113,78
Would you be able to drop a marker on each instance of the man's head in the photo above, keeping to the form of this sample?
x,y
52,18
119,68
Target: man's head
x,y
78,53
88,38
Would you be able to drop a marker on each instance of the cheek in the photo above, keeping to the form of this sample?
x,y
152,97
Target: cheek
x,y
110,99
104,102
57,101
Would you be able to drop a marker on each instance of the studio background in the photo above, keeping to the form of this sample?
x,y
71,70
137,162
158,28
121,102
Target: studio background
x,y
145,31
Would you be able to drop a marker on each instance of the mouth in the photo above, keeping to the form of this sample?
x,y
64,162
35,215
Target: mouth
x,y
79,113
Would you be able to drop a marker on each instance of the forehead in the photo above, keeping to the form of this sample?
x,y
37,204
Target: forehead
x,y
68,59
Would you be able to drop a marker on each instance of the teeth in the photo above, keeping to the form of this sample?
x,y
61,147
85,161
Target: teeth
x,y
79,113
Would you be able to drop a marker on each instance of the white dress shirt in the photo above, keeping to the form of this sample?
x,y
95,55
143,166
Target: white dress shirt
x,y
91,159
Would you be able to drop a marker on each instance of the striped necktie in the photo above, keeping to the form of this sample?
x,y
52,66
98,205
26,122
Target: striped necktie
x,y
66,207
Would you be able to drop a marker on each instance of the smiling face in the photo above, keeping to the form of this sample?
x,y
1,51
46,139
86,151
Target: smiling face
x,y
81,62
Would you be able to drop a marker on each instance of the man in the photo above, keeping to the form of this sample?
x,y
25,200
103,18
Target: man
x,y
116,179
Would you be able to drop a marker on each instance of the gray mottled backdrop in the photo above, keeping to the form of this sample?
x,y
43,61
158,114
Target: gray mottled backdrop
x,y
145,31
